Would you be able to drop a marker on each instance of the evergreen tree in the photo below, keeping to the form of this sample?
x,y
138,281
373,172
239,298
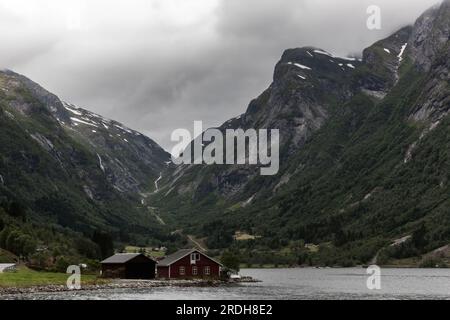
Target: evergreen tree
x,y
419,237
231,261
105,242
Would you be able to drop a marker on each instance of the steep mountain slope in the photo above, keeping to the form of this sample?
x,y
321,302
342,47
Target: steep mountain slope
x,y
130,160
66,167
363,152
309,86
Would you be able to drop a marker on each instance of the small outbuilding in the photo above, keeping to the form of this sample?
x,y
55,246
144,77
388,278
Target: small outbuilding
x,y
188,264
129,266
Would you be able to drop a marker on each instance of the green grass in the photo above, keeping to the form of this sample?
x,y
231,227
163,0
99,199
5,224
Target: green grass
x,y
25,277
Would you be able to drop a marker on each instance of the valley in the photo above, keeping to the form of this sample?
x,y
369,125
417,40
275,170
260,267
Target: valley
x,y
363,168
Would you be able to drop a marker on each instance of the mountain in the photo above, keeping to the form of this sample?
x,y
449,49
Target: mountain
x,y
364,157
364,167
67,170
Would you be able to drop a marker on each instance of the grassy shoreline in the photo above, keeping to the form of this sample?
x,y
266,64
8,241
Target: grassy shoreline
x,y
27,280
25,277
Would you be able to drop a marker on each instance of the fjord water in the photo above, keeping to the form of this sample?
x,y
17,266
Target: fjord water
x,y
299,284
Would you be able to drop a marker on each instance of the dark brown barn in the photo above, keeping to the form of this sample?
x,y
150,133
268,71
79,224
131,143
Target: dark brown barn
x,y
188,264
129,266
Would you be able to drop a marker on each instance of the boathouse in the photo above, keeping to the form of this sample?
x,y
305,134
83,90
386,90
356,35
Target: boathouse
x,y
129,266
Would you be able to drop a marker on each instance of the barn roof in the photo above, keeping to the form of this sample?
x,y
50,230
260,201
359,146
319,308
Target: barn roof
x,y
123,258
180,254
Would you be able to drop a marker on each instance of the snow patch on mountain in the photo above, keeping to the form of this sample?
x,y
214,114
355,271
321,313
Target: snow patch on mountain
x,y
156,182
79,121
334,56
123,129
323,53
100,162
402,51
72,109
301,66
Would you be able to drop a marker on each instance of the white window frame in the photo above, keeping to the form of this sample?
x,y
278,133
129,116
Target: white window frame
x,y
182,271
195,256
207,270
194,271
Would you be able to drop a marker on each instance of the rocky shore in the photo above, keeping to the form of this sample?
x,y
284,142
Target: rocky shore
x,y
122,284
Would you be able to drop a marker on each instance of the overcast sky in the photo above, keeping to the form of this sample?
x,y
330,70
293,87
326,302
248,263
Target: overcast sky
x,y
158,65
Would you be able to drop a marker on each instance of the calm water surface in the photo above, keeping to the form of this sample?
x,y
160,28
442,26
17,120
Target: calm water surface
x,y
297,284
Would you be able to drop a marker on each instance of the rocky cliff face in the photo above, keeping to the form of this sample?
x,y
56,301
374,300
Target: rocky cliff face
x,y
430,35
382,62
309,85
430,51
130,161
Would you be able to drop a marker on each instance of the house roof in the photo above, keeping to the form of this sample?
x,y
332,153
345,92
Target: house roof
x,y
4,266
123,258
180,254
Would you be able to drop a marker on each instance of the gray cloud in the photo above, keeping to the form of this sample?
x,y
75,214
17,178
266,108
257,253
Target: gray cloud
x,y
158,65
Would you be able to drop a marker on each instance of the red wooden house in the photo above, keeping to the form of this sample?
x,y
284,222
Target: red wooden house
x,y
188,264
